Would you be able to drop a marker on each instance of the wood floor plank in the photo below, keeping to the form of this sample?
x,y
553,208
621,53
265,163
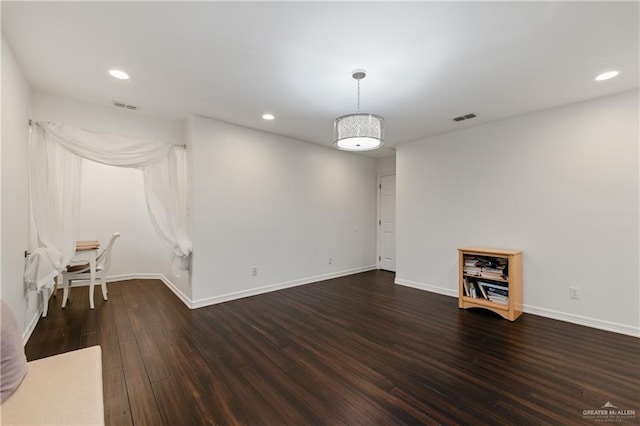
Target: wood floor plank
x,y
108,338
351,350
205,398
173,407
144,409
282,392
116,404
139,317
121,318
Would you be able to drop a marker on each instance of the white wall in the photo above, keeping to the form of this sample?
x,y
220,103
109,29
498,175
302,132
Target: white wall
x,y
16,105
562,185
278,204
386,165
112,198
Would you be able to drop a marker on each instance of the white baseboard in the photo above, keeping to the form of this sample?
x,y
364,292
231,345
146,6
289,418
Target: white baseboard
x,y
194,304
279,286
32,325
183,297
427,287
582,320
145,276
543,312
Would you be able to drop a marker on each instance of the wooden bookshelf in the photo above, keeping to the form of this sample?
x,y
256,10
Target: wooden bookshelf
x,y
491,279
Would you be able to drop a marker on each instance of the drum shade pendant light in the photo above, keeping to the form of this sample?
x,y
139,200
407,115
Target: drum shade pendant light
x,y
361,131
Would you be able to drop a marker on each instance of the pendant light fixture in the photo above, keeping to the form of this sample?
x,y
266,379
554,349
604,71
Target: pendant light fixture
x,y
360,131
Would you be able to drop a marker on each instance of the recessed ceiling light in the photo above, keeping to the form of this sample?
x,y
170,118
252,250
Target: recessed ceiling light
x,y
607,75
268,116
119,74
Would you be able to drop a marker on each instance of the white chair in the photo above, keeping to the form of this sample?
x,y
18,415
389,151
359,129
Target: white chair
x,y
81,272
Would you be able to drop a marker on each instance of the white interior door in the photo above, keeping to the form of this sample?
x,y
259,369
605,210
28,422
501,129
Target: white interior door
x,y
387,224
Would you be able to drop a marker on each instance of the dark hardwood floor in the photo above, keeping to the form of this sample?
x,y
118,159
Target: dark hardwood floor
x,y
352,350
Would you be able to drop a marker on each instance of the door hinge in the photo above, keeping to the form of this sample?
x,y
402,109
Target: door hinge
x,y
379,186
379,222
379,258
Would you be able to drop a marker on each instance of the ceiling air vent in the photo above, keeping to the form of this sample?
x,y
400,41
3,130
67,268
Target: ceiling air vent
x,y
125,106
464,117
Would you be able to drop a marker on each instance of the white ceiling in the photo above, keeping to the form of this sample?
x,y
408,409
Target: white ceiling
x,y
426,62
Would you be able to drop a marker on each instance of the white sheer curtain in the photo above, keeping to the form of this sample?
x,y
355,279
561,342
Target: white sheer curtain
x,y
166,184
54,180
56,153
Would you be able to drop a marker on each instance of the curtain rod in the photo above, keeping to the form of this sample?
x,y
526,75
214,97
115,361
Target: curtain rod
x,y
174,144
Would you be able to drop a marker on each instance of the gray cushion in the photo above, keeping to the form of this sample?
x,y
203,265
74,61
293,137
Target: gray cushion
x,y
13,363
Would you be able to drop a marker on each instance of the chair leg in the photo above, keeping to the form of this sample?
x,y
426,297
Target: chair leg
x,y
56,282
103,284
45,299
66,283
91,290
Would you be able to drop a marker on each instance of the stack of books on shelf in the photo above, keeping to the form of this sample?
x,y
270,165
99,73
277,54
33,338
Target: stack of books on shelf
x,y
490,268
495,293
471,267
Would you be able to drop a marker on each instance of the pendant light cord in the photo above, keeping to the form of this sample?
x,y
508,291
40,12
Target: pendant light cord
x,y
358,95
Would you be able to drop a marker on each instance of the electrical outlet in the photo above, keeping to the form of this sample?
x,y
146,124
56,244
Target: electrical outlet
x,y
330,260
574,292
254,271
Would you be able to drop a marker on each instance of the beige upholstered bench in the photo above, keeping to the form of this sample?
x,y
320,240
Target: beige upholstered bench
x,y
64,389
